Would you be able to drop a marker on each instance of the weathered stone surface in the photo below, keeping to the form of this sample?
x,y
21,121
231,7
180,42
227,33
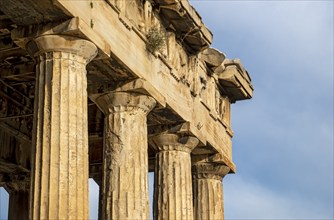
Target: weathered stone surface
x,y
25,12
125,160
172,177
208,190
235,80
212,57
60,141
115,39
186,86
185,21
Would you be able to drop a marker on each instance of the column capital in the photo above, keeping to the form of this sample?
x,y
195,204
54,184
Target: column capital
x,y
62,43
111,102
174,142
209,171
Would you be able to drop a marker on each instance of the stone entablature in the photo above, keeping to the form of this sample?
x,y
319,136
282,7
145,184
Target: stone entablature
x,y
174,16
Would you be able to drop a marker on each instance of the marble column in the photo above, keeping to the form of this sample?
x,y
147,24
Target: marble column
x,y
59,186
125,160
172,178
208,190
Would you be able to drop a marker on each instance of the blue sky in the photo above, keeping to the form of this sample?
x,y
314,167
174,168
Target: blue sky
x,y
283,143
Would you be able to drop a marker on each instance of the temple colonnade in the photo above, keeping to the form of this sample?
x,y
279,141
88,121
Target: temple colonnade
x,y
59,175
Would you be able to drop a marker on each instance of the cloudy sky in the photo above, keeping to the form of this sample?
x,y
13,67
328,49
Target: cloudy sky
x,y
283,143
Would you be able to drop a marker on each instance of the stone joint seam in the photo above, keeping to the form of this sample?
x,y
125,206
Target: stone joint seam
x,y
174,147
125,108
71,57
208,176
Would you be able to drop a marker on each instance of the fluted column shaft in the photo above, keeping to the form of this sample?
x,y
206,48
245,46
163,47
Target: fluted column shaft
x,y
59,187
208,190
125,160
172,177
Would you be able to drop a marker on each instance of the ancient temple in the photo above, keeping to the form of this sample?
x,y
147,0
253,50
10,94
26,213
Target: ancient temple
x,y
112,90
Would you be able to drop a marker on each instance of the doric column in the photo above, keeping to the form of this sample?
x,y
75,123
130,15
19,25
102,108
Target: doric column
x,y
172,177
125,160
60,141
208,190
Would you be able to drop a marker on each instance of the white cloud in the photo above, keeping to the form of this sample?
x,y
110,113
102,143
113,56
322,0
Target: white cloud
x,y
282,33
246,199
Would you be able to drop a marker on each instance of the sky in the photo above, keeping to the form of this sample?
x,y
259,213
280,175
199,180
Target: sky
x,y
283,137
